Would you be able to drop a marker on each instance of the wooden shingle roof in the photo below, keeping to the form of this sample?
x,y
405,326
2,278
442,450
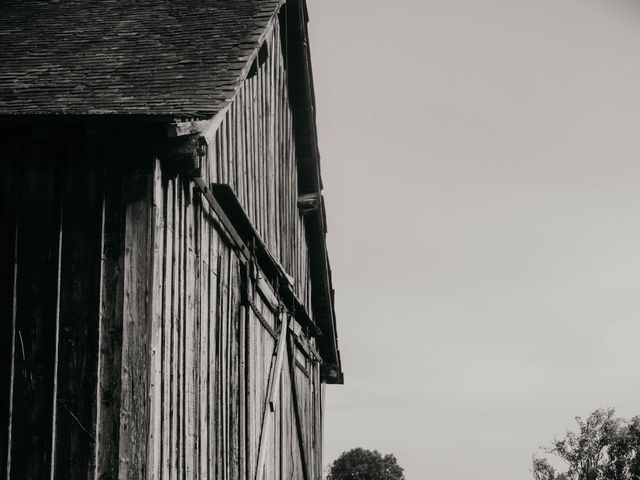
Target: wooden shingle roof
x,y
139,57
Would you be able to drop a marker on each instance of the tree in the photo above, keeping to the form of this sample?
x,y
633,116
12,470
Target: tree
x,y
361,464
604,448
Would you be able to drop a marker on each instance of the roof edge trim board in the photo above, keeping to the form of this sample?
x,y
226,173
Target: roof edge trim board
x,y
302,97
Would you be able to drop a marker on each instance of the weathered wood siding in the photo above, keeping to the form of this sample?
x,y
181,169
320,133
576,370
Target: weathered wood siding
x,y
136,342
63,205
253,150
213,336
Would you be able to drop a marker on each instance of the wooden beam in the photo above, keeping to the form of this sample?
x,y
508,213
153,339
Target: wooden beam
x,y
179,129
309,202
241,232
136,329
266,292
227,199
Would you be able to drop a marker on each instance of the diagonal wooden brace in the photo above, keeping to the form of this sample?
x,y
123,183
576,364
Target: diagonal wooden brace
x,y
272,394
291,349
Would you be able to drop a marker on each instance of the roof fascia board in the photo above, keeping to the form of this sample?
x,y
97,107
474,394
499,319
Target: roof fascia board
x,y
302,96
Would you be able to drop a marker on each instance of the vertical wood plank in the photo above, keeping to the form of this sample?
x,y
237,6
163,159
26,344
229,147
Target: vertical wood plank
x,y
234,340
110,321
79,310
190,367
181,364
134,414
167,329
35,316
214,273
155,300
203,389
176,334
10,157
242,375
224,367
217,368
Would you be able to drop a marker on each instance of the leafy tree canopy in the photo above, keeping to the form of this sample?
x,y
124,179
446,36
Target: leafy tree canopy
x,y
361,464
604,448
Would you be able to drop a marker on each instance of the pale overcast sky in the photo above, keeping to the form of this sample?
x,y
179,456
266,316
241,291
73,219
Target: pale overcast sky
x,y
481,161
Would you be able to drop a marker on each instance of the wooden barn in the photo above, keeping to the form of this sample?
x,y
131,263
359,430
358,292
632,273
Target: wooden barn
x,y
166,306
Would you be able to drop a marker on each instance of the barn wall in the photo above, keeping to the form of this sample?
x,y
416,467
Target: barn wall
x,y
253,150
135,342
62,251
214,335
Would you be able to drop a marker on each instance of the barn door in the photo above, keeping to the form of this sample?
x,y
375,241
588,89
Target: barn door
x,y
281,421
275,424
266,337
